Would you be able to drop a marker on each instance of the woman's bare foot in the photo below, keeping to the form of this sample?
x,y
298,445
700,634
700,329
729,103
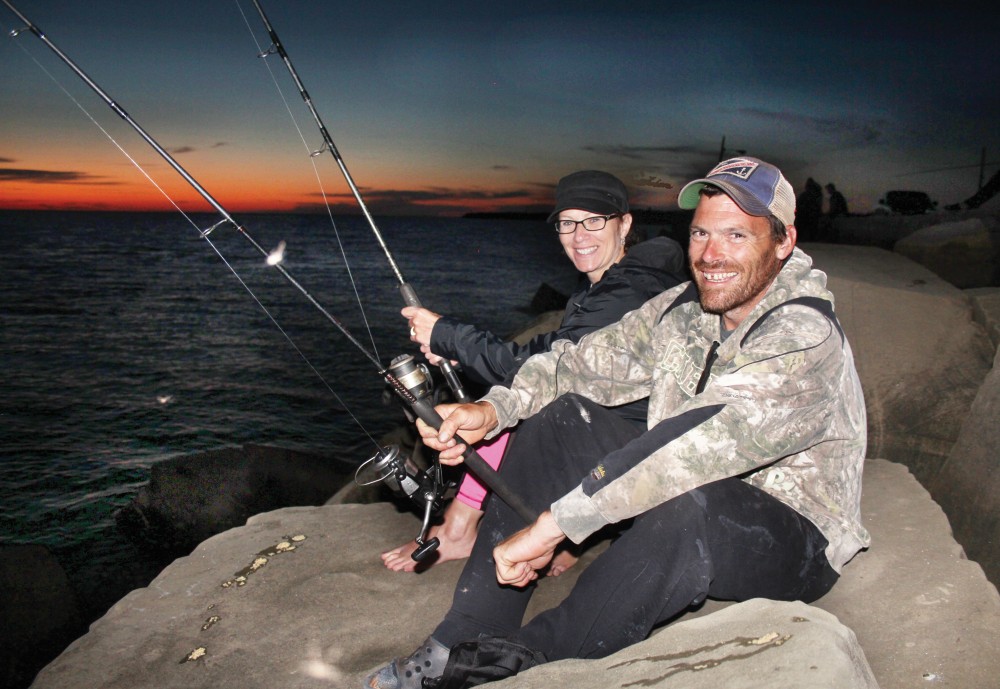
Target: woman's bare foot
x,y
457,534
563,560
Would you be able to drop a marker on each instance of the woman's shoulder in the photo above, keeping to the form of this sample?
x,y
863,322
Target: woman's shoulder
x,y
661,253
648,268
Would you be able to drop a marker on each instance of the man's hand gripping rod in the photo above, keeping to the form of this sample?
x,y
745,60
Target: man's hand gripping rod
x,y
409,382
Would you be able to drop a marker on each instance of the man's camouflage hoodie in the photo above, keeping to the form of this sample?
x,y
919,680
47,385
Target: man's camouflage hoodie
x,y
778,404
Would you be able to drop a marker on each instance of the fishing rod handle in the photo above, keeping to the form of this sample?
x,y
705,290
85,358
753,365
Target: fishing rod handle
x,y
411,299
483,471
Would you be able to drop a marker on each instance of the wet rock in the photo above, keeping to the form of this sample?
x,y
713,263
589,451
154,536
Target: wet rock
x,y
194,497
39,615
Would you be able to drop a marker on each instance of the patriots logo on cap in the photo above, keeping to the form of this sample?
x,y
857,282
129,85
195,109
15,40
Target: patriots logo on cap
x,y
737,167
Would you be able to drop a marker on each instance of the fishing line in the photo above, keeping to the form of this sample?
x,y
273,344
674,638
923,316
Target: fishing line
x,y
410,385
319,179
13,33
406,290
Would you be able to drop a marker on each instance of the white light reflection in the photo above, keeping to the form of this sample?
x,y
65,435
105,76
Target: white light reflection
x,y
276,256
322,670
319,668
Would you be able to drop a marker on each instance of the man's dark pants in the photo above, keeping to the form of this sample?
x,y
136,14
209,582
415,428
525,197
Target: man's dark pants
x,y
726,539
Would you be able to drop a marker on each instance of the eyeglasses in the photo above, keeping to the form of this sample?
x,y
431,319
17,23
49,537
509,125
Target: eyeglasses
x,y
591,224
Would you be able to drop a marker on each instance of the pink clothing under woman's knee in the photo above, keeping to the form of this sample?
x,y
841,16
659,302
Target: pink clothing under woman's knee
x,y
472,492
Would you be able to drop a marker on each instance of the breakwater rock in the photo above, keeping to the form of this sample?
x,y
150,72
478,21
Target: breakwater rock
x,y
298,598
920,610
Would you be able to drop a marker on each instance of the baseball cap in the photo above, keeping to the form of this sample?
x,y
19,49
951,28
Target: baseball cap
x,y
757,187
590,190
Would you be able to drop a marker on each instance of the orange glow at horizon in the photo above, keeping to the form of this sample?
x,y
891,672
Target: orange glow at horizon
x,y
235,193
240,181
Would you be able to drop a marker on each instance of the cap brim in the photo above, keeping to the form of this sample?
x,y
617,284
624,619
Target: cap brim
x,y
599,206
690,195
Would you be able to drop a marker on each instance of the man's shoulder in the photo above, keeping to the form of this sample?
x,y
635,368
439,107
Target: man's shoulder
x,y
797,315
803,325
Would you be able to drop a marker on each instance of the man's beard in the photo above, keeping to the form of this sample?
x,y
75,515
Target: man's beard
x,y
750,283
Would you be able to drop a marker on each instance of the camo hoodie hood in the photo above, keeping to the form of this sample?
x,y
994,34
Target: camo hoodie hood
x,y
778,403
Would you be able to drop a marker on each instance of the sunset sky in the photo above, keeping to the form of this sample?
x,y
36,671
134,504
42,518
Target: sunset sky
x,y
447,107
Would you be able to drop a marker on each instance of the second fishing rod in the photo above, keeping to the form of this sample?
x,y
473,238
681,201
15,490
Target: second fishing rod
x,y
404,378
406,289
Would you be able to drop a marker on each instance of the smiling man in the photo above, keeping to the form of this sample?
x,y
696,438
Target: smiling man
x,y
745,483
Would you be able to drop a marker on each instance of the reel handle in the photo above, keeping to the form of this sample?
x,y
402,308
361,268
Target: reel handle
x,y
447,370
425,549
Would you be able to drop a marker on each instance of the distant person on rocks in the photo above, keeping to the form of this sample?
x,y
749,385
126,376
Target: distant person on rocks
x,y
592,219
745,482
809,208
838,204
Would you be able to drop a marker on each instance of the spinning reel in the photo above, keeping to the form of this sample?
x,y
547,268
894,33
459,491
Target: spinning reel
x,y
425,487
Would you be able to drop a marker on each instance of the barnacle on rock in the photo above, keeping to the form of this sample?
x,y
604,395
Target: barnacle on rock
x,y
195,654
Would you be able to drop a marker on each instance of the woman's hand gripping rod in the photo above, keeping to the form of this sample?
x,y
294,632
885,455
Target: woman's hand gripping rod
x,y
409,381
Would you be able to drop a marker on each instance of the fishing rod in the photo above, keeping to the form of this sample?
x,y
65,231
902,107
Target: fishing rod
x,y
405,289
401,375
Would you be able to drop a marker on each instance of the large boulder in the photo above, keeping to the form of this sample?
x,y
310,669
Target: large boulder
x,y
192,497
986,310
968,486
919,355
299,598
963,252
756,644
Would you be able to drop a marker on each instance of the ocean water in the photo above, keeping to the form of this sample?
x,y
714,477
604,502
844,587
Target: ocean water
x,y
125,339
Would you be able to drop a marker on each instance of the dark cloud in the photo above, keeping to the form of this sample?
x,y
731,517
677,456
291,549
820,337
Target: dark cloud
x,y
847,131
6,160
10,174
665,164
642,153
181,150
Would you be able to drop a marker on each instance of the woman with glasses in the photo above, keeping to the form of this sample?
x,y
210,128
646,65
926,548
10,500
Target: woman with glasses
x,y
594,225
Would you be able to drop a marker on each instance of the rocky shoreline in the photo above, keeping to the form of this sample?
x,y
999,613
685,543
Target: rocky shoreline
x,y
926,356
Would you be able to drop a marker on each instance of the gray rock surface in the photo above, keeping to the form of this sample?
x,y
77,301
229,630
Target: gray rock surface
x,y
747,645
326,612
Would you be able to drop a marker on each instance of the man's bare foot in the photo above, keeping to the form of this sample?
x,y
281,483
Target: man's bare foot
x,y
457,534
